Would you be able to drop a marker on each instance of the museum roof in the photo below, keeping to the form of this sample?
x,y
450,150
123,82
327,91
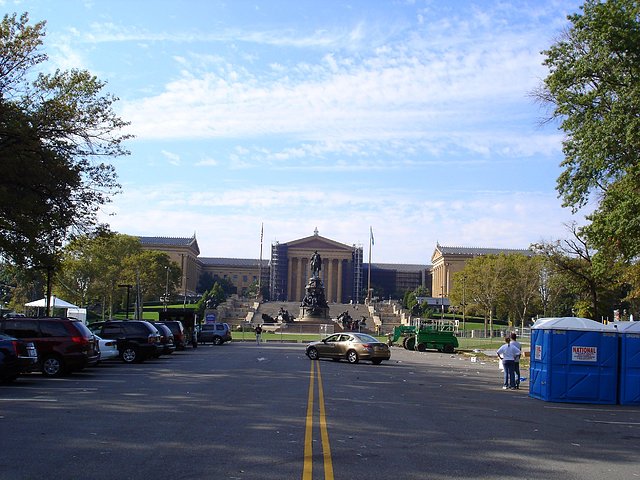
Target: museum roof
x,y
445,250
233,262
190,242
399,267
173,241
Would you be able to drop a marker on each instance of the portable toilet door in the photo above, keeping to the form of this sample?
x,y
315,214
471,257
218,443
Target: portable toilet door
x,y
573,360
629,378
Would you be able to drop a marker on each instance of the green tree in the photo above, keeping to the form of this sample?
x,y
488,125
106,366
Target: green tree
x,y
483,285
55,129
593,87
521,287
147,271
94,265
593,286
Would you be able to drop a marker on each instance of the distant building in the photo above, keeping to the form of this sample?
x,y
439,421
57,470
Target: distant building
x,y
344,273
393,279
449,260
184,252
241,272
341,271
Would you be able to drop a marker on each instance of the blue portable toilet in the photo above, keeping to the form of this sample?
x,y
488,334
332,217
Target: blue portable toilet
x,y
574,360
629,379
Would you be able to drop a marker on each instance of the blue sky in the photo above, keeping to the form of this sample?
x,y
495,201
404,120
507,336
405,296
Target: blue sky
x,y
412,117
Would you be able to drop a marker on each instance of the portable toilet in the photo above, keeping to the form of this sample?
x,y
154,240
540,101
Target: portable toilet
x,y
573,360
629,379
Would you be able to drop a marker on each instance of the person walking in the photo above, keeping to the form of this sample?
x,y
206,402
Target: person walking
x,y
516,368
507,353
258,331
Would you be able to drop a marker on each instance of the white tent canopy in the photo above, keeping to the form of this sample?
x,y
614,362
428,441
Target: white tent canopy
x,y
55,302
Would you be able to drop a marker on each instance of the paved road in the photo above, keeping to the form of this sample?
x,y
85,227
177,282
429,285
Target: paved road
x,y
242,411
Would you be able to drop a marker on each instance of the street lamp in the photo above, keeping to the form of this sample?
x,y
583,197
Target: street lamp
x,y
464,305
128,287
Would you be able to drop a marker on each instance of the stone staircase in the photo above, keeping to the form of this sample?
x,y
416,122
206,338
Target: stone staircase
x,y
391,315
235,310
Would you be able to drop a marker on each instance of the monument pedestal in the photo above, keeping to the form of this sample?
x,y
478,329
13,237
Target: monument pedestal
x,y
314,307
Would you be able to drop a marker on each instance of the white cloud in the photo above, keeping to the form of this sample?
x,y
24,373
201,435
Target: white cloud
x,y
406,227
173,158
207,162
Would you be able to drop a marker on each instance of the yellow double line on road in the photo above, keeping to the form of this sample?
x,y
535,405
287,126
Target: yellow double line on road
x,y
308,433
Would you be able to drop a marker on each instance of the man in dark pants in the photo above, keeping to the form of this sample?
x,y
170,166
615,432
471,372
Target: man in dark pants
x,y
517,359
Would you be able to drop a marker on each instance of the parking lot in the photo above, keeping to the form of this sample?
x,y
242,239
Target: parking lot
x,y
242,411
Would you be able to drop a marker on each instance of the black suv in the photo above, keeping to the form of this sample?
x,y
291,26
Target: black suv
x,y
64,345
216,333
137,339
16,357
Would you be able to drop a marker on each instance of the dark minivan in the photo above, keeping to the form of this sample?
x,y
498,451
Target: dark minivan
x,y
64,345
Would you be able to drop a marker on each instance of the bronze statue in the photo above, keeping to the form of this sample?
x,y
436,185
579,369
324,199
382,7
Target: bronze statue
x,y
315,263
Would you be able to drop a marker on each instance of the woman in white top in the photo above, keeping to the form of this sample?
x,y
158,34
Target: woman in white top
x,y
508,353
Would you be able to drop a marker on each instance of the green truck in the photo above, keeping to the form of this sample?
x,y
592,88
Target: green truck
x,y
426,336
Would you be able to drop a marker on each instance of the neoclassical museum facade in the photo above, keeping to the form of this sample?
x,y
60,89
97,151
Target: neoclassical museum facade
x,y
344,273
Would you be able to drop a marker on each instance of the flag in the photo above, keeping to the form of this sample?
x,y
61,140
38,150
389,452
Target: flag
x,y
371,231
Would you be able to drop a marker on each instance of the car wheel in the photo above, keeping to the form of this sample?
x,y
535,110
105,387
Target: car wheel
x,y
421,347
352,356
52,366
130,355
217,341
376,361
312,353
449,348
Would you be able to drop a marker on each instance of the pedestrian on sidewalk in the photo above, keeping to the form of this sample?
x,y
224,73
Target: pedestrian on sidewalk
x,y
507,354
258,331
516,343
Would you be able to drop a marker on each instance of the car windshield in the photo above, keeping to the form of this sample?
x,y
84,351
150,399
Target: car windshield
x,y
364,338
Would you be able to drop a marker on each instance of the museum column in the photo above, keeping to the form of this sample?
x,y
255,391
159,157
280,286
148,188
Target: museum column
x,y
339,299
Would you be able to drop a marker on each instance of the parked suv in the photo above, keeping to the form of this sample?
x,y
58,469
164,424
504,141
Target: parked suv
x,y
16,357
64,345
137,339
216,333
166,338
177,329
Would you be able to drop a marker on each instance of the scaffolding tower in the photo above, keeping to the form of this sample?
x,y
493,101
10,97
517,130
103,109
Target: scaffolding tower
x,y
357,273
278,272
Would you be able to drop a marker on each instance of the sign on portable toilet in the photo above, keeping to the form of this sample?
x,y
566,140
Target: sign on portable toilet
x,y
629,380
573,360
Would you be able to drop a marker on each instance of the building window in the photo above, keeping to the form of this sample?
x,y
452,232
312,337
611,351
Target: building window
x,y
245,278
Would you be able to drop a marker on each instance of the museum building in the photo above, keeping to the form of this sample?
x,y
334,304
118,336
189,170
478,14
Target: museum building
x,y
344,274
